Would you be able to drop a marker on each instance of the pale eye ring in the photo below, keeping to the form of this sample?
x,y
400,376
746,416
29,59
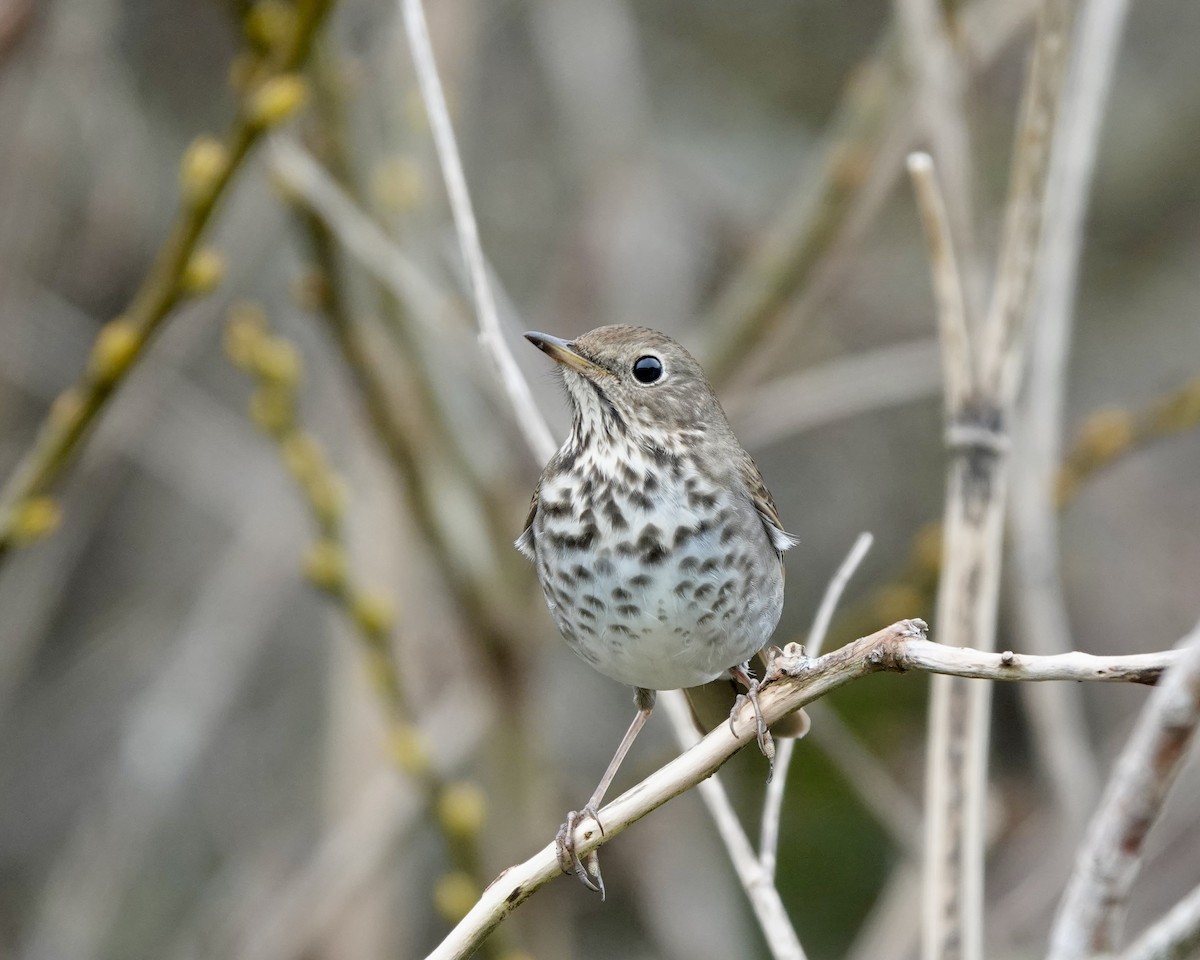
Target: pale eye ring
x,y
647,369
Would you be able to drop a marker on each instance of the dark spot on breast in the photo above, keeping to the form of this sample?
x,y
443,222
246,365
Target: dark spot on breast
x,y
704,501
581,572
640,499
688,563
641,580
703,591
629,610
605,567
621,629
728,534
594,601
615,517
620,593
684,587
709,565
706,618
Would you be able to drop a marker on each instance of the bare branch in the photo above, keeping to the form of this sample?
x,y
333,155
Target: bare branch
x,y
794,681
957,365
768,843
754,876
529,418
319,192
1092,910
858,383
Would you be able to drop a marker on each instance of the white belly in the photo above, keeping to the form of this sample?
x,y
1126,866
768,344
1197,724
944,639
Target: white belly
x,y
672,596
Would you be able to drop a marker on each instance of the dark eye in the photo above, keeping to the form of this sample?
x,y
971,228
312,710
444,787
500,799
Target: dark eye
x,y
647,369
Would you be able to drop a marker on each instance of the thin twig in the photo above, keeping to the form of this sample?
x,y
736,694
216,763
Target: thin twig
x,y
67,426
1092,911
938,71
365,241
756,879
968,594
794,681
529,418
768,837
958,365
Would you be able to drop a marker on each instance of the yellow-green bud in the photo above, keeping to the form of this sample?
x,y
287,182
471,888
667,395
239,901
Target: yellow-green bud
x,y
204,271
277,361
276,100
374,613
454,895
115,348
1104,434
325,565
272,410
327,495
461,809
204,163
302,456
246,328
271,23
1182,410
409,750
34,518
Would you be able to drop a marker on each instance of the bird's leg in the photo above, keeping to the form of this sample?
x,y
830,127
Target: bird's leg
x,y
564,841
741,673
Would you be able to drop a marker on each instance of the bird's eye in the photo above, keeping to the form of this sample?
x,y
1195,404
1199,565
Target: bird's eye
x,y
647,369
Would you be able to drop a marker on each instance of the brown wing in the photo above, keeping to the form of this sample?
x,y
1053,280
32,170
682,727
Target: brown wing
x,y
524,542
780,538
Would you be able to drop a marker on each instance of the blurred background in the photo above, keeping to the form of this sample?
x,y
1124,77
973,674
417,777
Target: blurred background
x,y
199,744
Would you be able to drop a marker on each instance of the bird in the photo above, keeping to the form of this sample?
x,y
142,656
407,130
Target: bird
x,y
656,542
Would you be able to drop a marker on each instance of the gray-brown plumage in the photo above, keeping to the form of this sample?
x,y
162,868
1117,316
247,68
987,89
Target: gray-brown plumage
x,y
656,542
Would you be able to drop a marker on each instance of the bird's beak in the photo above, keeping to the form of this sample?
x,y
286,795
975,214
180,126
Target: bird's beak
x,y
561,351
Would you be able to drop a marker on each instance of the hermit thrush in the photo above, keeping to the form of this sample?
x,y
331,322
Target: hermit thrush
x,y
657,544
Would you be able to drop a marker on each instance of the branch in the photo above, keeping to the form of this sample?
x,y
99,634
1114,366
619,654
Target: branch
x,y
768,842
793,681
181,269
1092,910
836,389
529,418
756,879
957,365
968,593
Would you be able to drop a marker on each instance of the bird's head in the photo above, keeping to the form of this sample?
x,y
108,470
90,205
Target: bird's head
x,y
636,382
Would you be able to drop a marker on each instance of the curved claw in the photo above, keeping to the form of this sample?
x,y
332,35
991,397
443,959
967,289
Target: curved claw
x,y
568,859
763,735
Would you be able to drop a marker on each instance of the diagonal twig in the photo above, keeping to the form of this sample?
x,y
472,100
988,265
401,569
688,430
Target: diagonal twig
x,y
1092,911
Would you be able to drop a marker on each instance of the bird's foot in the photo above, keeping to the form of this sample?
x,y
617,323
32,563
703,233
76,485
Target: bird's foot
x,y
568,859
765,743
